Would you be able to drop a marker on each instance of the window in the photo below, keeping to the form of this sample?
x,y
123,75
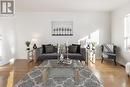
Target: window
x,y
127,32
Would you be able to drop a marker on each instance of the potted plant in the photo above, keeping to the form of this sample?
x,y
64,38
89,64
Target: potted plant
x,y
28,44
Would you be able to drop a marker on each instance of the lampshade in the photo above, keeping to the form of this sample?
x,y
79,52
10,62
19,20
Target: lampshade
x,y
34,40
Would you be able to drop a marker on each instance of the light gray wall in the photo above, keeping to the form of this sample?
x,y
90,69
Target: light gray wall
x,y
7,31
117,31
38,25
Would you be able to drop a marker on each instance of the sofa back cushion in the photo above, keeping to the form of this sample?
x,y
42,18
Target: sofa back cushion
x,y
55,49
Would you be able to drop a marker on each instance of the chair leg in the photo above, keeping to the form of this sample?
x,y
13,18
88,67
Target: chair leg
x,y
128,75
115,61
102,59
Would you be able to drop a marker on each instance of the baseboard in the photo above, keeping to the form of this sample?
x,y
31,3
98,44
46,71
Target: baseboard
x,y
121,65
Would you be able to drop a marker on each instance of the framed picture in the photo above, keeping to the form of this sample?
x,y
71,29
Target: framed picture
x,y
62,28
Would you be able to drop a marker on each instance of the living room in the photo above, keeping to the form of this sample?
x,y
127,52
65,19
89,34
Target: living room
x,y
99,21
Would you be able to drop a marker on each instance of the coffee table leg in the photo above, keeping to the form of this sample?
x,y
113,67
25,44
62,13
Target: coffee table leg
x,y
77,76
45,76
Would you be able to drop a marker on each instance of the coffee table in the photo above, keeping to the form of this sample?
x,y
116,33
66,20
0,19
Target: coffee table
x,y
54,69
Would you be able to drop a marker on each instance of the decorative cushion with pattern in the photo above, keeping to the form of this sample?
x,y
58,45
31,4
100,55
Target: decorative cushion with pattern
x,y
72,49
49,49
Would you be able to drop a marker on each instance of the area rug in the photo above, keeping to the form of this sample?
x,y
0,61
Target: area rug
x,y
34,79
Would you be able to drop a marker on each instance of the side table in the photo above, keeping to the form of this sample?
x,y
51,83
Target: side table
x,y
86,60
31,56
91,55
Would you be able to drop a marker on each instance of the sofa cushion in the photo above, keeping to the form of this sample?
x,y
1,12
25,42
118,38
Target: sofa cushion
x,y
48,56
49,49
72,49
76,56
78,47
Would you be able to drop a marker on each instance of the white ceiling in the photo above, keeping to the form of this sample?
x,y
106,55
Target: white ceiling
x,y
69,5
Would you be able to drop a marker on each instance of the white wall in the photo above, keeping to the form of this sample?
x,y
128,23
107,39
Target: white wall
x,y
7,31
38,25
117,32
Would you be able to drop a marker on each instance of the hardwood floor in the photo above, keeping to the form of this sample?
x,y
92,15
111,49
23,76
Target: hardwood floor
x,y
108,73
4,74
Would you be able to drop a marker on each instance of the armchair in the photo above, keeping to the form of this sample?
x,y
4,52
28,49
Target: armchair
x,y
109,51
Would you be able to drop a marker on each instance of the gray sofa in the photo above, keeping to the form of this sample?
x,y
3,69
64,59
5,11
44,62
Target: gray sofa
x,y
44,56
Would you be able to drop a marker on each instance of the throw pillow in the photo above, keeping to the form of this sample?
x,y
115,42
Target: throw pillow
x,y
43,48
72,49
108,48
49,49
78,47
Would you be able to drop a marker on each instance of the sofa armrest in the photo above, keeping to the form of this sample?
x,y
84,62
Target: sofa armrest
x,y
83,53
